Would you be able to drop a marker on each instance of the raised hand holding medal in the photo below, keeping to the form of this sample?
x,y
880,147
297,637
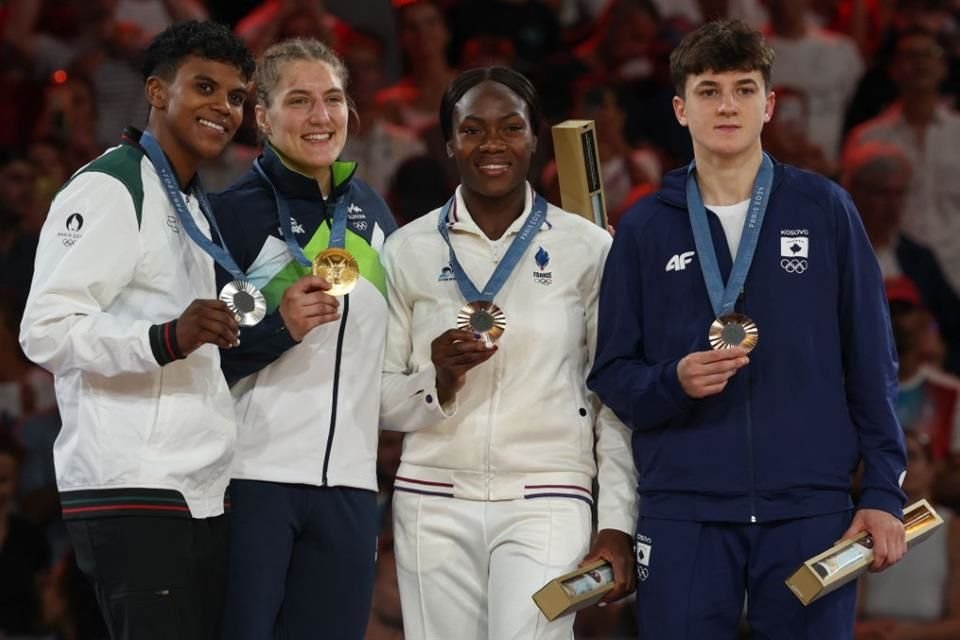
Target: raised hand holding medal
x,y
334,264
730,329
480,315
243,299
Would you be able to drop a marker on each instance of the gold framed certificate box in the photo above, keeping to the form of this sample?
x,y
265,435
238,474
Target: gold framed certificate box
x,y
578,169
582,587
847,560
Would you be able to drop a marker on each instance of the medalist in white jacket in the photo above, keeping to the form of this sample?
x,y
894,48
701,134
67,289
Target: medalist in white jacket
x,y
143,432
524,425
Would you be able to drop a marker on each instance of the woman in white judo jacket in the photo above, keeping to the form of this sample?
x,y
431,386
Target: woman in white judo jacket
x,y
495,489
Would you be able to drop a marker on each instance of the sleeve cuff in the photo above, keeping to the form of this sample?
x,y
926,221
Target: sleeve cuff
x,y
427,379
887,501
671,382
163,343
625,520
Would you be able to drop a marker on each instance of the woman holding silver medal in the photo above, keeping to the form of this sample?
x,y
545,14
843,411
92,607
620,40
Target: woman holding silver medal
x,y
307,378
495,488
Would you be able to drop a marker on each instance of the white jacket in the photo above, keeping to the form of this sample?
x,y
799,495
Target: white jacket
x,y
113,262
524,425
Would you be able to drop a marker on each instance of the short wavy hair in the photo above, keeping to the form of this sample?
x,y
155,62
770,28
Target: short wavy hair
x,y
193,38
718,46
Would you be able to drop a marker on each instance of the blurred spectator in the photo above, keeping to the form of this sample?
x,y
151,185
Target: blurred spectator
x,y
69,604
153,16
824,66
98,46
531,26
375,17
877,89
424,36
628,172
419,185
629,49
24,387
17,205
877,175
487,51
277,20
69,120
928,400
24,556
928,133
377,146
919,597
696,12
868,22
786,136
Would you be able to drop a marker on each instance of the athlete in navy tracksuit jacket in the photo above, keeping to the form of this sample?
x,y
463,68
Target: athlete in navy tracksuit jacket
x,y
739,487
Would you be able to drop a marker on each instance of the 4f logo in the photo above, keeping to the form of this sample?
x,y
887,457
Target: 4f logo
x,y
680,261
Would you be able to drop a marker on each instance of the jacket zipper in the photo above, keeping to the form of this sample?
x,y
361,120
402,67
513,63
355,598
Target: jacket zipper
x,y
336,387
335,392
749,424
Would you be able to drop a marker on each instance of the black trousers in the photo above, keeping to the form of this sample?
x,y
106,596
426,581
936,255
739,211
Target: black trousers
x,y
156,578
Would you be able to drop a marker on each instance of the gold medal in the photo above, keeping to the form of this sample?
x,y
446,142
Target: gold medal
x,y
245,302
484,318
734,330
339,269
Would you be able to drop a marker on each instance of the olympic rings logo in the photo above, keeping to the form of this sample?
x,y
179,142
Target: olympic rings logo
x,y
793,265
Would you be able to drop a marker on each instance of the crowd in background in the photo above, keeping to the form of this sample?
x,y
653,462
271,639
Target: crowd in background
x,y
866,94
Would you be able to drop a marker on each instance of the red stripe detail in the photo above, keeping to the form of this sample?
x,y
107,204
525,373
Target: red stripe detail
x,y
434,484
559,486
166,339
116,507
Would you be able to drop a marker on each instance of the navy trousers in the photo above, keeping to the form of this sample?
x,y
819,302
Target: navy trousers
x,y
301,561
156,578
692,578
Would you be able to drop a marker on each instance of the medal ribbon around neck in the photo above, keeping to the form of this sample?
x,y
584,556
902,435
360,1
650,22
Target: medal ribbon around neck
x,y
338,227
243,299
510,259
219,253
724,298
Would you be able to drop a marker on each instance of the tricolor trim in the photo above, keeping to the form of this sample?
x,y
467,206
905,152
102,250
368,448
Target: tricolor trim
x,y
163,343
558,491
100,503
423,487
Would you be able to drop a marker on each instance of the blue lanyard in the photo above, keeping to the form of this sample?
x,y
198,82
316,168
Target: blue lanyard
x,y
723,298
338,229
168,179
510,260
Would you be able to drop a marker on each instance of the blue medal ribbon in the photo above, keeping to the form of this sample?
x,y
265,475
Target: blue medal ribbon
x,y
510,260
338,228
170,184
723,298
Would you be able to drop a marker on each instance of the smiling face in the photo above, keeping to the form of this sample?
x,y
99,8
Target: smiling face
x,y
724,112
195,114
492,140
306,117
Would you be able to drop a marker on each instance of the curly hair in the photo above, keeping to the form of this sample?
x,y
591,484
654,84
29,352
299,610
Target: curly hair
x,y
205,39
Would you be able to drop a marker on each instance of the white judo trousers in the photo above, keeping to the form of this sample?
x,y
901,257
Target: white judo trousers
x,y
467,568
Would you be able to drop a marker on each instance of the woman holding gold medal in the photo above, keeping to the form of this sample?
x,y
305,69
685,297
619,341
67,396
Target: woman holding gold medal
x,y
307,378
495,488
